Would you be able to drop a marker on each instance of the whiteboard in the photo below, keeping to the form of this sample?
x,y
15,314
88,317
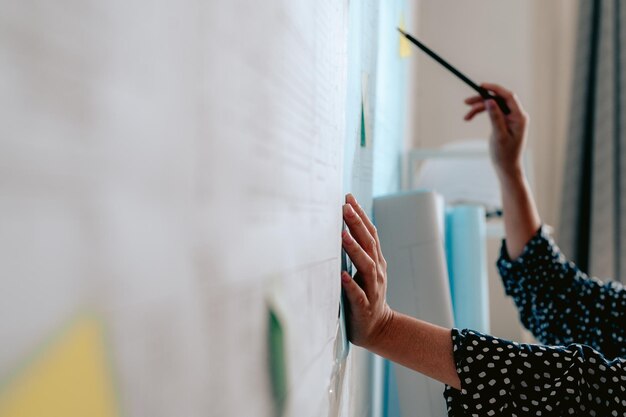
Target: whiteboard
x,y
170,171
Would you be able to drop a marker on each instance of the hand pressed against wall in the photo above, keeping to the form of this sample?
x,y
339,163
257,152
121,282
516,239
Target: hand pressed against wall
x,y
367,311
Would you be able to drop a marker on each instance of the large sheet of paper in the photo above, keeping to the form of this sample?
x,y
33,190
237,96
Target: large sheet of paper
x,y
175,171
171,168
276,108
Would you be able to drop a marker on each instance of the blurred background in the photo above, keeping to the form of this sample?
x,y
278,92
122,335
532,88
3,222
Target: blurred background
x,y
528,47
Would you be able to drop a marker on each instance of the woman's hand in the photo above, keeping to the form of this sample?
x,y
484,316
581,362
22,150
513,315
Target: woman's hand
x,y
372,324
508,134
367,311
521,218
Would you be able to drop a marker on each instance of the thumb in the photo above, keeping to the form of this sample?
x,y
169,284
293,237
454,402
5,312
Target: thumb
x,y
497,118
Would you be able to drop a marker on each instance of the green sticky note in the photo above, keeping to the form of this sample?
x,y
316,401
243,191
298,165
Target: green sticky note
x,y
363,130
278,368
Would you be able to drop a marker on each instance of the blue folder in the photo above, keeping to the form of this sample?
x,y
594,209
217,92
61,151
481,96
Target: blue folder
x,y
466,254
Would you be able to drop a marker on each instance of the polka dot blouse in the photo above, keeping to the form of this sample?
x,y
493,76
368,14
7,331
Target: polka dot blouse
x,y
582,322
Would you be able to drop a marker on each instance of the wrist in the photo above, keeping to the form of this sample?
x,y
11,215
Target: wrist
x,y
512,173
383,330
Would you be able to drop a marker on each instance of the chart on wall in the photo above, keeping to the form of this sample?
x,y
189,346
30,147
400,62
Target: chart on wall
x,y
173,175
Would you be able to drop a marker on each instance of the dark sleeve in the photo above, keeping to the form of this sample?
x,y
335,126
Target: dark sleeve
x,y
559,303
503,378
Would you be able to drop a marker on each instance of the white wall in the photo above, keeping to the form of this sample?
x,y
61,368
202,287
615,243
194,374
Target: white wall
x,y
553,59
473,37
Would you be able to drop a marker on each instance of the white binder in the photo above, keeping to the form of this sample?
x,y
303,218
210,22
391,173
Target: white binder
x,y
411,231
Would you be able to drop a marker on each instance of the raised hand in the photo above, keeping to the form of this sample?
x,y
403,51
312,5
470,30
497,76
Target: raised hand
x,y
508,134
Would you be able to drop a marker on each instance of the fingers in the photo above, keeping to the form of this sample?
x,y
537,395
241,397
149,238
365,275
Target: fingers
x,y
357,300
473,100
498,89
350,199
363,262
359,230
497,117
477,108
356,295
508,96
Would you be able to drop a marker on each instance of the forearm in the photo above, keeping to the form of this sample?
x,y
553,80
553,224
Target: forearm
x,y
419,345
521,218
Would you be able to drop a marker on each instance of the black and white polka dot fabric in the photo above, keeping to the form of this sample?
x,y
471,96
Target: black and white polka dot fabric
x,y
560,304
582,321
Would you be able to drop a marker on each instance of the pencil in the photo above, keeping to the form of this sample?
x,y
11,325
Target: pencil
x,y
484,93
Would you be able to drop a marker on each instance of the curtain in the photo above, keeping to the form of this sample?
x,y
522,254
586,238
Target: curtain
x,y
592,229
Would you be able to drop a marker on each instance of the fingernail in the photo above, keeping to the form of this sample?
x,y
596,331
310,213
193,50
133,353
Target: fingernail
x,y
345,277
348,210
345,236
353,199
489,104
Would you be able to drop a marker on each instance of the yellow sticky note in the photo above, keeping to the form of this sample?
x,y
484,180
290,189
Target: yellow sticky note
x,y
69,378
405,45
